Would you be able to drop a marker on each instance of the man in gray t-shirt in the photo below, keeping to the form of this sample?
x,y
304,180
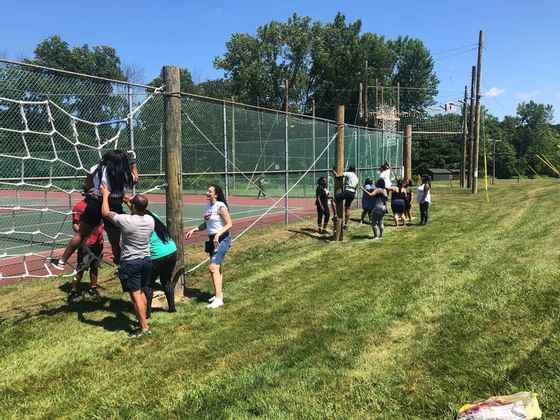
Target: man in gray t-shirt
x,y
135,262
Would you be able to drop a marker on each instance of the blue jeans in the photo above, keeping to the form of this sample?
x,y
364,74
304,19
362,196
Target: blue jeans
x,y
219,252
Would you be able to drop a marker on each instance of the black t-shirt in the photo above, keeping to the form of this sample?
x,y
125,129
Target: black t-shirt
x,y
322,195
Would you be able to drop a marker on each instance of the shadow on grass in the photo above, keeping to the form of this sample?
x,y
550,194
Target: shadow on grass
x,y
118,321
198,295
312,233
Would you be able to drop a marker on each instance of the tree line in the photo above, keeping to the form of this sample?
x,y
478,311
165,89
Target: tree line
x,y
323,64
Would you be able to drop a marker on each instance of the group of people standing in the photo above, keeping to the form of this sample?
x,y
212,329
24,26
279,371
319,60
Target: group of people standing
x,y
141,244
374,199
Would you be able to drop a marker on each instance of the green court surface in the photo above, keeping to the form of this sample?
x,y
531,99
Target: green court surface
x,y
35,231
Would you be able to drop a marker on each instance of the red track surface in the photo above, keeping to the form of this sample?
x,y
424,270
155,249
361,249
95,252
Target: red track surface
x,y
37,265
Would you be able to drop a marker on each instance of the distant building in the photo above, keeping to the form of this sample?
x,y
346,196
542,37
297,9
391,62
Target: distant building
x,y
437,174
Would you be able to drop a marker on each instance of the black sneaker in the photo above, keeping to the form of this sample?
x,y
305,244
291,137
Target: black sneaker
x,y
137,333
57,264
71,296
93,292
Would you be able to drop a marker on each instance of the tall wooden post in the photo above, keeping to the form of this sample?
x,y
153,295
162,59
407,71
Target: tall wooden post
x,y
366,95
398,108
477,113
408,151
286,179
471,128
339,180
174,168
464,141
360,105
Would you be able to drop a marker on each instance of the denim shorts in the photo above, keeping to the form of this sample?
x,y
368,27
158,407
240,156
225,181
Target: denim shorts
x,y
135,274
217,256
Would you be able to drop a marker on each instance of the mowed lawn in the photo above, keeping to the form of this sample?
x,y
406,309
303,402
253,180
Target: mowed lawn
x,y
413,326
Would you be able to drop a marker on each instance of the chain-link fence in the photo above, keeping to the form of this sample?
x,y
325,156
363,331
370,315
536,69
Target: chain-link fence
x,y
55,125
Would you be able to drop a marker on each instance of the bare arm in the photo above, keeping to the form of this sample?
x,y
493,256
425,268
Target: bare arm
x,y
105,210
76,227
337,174
199,228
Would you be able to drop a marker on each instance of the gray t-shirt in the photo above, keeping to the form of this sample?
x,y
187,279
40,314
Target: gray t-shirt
x,y
350,181
135,234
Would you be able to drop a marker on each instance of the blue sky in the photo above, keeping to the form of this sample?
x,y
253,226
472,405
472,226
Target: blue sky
x,y
520,58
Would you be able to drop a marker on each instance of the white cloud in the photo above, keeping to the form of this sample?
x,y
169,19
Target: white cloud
x,y
495,92
528,95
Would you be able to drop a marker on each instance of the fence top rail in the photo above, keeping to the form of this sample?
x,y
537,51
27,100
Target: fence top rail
x,y
278,111
88,76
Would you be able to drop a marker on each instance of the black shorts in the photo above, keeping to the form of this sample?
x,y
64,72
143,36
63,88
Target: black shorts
x,y
135,274
346,196
92,214
397,206
89,256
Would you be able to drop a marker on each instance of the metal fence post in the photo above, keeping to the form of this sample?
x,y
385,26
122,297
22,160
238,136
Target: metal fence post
x,y
226,154
130,126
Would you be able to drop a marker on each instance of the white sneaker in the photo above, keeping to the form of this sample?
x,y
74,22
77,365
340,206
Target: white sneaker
x,y
374,238
216,303
211,299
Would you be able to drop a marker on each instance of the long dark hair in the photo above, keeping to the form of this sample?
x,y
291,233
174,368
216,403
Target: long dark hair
x,y
116,164
161,230
220,196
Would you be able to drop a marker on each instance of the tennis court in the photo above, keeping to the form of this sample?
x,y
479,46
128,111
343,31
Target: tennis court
x,y
34,227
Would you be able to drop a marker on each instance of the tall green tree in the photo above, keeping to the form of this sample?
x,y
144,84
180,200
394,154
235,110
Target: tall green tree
x,y
101,61
414,70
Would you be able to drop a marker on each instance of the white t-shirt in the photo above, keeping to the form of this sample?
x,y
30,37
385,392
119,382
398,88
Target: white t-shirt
x,y
386,175
214,220
104,180
420,195
350,181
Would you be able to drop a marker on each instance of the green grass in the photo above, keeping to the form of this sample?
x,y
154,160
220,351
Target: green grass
x,y
413,326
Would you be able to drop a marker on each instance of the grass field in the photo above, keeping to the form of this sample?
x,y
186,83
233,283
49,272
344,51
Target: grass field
x,y
410,327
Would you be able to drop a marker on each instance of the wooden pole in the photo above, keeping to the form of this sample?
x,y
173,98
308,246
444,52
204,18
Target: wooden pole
x,y
366,109
398,108
339,180
408,151
471,128
234,165
493,161
286,156
174,169
360,105
376,106
464,141
477,113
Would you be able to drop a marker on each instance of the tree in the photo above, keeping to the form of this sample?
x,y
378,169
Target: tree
x,y
101,61
414,68
324,62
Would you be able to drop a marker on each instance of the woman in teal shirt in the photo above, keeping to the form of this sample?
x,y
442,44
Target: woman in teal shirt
x,y
164,257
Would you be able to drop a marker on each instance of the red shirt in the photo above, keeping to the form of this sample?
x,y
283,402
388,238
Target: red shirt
x,y
96,236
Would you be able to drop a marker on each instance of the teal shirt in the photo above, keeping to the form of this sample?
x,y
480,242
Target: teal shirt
x,y
160,249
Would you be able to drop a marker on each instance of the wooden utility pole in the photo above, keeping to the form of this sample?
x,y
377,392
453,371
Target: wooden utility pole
x,y
376,107
339,167
366,109
477,113
408,151
360,108
471,129
464,141
398,107
174,169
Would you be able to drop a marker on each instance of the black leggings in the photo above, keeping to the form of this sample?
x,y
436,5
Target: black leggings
x,y
162,268
424,207
323,213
